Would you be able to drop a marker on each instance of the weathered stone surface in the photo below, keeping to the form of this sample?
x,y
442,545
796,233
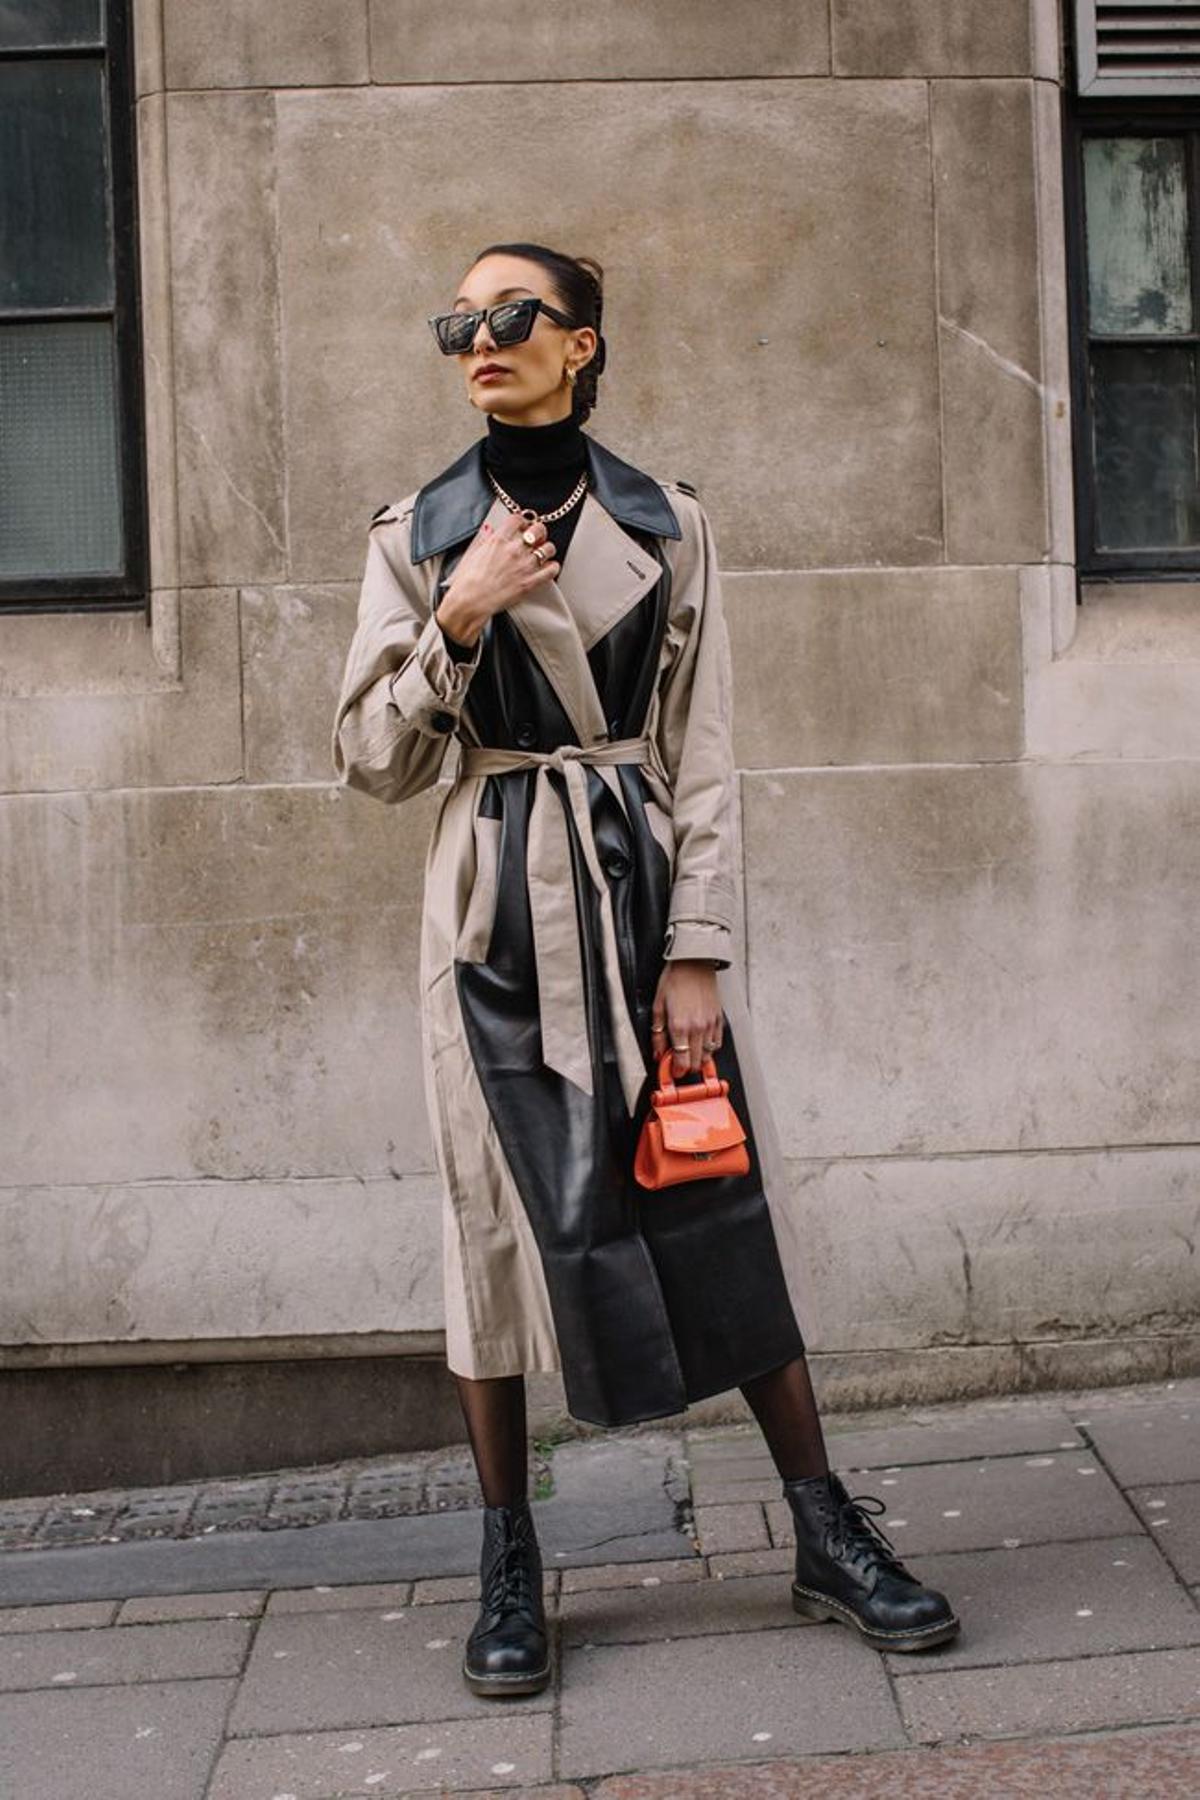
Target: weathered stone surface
x,y
993,453
316,1671
1048,1601
249,960
984,1504
155,1609
736,1527
1094,1693
221,151
121,1653
993,1248
910,37
1126,684
155,1741
730,1696
578,40
158,405
92,700
883,666
222,1259
454,1756
272,43
1123,1763
69,1617
677,1610
1171,1512
1146,1443
294,644
375,231
942,959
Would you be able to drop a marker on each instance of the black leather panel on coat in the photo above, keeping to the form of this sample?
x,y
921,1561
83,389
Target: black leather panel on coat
x,y
657,1298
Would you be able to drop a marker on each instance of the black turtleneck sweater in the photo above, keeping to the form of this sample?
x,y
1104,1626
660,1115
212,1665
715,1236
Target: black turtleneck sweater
x,y
538,465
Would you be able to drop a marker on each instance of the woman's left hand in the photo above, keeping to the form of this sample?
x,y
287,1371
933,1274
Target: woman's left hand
x,y
687,1015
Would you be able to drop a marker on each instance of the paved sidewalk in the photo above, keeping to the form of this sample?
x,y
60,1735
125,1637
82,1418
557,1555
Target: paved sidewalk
x,y
245,1652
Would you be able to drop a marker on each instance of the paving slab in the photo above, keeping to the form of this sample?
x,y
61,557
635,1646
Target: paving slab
x,y
736,1527
701,1699
1036,1499
688,1609
1031,1699
393,1666
1172,1512
58,1618
1050,1601
624,1575
640,1525
507,1749
1009,1428
326,1598
153,1742
153,1609
736,1563
1143,1765
122,1653
1143,1443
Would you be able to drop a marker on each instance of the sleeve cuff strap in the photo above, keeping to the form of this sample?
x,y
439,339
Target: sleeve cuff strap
x,y
689,940
428,691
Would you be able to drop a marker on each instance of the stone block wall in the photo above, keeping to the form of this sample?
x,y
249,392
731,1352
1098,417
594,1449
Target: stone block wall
x,y
833,237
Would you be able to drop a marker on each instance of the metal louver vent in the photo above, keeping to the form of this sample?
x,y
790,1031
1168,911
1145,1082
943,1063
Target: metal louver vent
x,y
1141,47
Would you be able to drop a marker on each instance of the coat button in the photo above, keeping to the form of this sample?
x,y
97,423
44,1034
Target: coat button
x,y
617,864
442,721
526,736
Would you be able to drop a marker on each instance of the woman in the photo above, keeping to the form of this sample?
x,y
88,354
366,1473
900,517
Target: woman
x,y
558,613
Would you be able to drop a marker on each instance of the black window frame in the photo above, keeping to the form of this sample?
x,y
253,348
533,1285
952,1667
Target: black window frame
x,y
1131,115
129,590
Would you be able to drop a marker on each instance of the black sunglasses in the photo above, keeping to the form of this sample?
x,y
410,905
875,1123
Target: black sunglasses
x,y
509,322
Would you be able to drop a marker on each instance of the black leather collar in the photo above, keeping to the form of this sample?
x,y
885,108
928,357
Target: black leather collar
x,y
455,503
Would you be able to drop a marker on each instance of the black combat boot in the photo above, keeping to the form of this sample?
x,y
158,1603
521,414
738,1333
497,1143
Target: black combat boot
x,y
508,1651
847,1569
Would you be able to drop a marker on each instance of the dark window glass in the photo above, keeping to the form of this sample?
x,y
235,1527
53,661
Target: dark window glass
x,y
1136,307
59,464
1147,491
46,24
55,213
72,490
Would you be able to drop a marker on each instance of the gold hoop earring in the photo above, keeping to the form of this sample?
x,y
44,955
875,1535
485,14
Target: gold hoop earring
x,y
570,374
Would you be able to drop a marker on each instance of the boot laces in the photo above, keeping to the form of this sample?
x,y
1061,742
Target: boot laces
x,y
510,1580
856,1535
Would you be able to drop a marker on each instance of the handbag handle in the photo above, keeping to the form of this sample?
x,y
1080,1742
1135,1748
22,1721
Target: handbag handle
x,y
668,1091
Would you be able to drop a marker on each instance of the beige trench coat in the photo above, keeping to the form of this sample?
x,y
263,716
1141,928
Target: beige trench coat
x,y
402,700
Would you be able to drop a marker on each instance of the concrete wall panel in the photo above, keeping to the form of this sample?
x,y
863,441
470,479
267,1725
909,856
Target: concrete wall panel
x,y
100,700
913,37
171,1261
968,959
989,322
264,43
881,665
589,40
221,151
776,348
211,982
294,643
907,1251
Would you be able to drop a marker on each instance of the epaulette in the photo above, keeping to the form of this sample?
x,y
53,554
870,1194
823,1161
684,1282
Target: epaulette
x,y
686,486
382,512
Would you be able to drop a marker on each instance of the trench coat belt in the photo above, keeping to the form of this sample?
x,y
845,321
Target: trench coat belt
x,y
556,945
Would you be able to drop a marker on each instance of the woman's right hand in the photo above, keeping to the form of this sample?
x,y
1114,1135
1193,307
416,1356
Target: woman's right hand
x,y
497,569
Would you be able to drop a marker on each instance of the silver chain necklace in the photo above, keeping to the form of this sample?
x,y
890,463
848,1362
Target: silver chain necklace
x,y
572,499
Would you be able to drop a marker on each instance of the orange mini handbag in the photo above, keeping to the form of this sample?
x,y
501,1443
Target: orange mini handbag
x,y
690,1133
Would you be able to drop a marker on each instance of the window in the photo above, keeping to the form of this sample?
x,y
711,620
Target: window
x,y
72,489
1134,178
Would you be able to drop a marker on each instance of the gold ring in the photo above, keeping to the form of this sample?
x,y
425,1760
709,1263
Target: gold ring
x,y
542,555
529,536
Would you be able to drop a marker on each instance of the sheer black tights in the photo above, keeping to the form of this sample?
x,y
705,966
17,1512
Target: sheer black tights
x,y
783,1403
494,1410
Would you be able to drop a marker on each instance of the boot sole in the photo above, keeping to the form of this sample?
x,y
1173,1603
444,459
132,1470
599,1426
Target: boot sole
x,y
503,1687
921,1637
